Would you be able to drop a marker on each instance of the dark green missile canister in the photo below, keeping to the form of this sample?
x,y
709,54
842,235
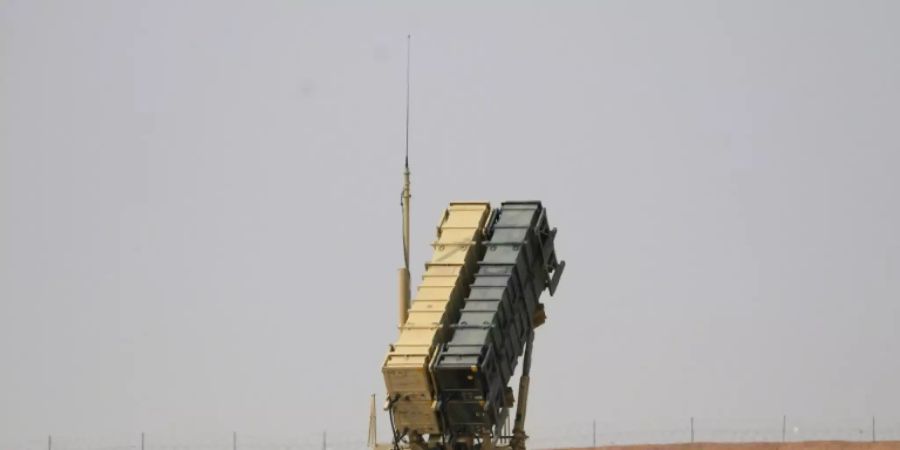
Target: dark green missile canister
x,y
472,369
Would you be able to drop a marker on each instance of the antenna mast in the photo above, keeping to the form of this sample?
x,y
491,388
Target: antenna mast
x,y
373,436
404,294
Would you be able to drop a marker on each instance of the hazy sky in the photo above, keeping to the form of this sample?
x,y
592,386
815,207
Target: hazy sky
x,y
199,221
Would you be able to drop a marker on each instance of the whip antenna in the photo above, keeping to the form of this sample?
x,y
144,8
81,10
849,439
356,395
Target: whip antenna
x,y
408,45
404,294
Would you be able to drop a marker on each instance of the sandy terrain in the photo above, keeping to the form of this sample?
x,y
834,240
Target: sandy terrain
x,y
809,445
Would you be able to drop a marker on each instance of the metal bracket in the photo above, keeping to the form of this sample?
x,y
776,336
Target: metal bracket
x,y
557,274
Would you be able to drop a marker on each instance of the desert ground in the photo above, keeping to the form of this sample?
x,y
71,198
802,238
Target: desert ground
x,y
808,445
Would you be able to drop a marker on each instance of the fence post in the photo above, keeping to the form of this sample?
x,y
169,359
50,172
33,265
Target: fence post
x,y
873,428
49,442
783,428
692,430
142,440
595,434
234,440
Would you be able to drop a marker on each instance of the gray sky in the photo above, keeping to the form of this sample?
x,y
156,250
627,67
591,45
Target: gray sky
x,y
199,221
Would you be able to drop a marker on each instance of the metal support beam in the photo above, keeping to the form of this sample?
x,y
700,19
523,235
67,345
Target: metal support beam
x,y
518,440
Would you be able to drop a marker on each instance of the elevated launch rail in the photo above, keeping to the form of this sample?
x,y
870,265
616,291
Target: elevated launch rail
x,y
474,316
435,307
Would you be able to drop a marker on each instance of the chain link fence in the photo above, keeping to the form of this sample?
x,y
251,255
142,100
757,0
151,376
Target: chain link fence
x,y
162,441
571,435
704,429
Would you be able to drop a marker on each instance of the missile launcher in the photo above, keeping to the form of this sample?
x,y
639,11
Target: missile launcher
x,y
472,319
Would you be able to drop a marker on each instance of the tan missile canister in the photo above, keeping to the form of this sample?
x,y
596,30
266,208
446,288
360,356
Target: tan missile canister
x,y
434,308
